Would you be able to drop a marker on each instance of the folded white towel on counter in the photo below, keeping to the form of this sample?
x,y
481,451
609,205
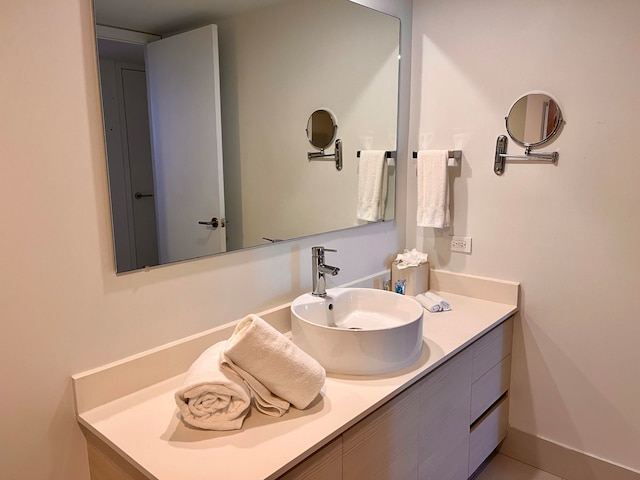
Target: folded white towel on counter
x,y
265,401
275,362
372,185
433,189
213,398
429,304
437,298
435,301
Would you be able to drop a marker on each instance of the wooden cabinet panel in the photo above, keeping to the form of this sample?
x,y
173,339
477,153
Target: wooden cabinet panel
x,y
325,464
445,398
490,387
106,464
385,444
489,350
487,434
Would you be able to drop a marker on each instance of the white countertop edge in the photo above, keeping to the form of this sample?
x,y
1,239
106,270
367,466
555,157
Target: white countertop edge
x,y
346,400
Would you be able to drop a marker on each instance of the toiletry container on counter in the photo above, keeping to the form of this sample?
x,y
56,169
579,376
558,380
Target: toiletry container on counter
x,y
416,278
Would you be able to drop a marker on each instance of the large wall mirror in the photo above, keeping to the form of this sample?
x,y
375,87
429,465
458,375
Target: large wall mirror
x,y
205,108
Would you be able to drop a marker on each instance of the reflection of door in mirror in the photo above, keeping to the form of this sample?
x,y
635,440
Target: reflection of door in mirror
x,y
271,77
533,119
184,97
123,84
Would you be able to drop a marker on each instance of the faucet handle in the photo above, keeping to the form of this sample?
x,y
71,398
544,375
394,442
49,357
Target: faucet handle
x,y
321,250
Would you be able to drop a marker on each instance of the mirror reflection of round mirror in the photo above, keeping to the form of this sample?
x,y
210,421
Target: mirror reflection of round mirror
x,y
321,129
534,119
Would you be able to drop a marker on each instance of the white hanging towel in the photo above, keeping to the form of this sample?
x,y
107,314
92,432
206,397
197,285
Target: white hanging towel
x,y
372,185
433,189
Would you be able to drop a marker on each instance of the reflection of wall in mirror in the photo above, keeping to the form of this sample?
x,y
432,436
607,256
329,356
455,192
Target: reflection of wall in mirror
x,y
534,124
518,118
357,81
123,86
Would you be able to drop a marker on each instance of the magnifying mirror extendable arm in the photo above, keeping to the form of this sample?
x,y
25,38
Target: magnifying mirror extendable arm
x,y
336,155
529,156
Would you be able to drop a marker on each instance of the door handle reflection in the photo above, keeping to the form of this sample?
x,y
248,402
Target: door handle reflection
x,y
139,195
212,223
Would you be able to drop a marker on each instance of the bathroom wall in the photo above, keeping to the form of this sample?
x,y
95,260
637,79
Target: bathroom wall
x,y
569,232
63,309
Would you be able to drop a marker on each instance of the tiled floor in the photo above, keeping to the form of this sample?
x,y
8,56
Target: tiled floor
x,y
502,467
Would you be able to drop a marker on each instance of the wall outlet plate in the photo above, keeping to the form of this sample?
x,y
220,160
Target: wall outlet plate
x,y
461,244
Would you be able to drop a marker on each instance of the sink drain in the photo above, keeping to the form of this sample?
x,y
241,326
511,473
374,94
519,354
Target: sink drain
x,y
354,328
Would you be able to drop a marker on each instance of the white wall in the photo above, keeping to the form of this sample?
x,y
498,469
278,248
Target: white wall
x,y
264,64
63,308
569,232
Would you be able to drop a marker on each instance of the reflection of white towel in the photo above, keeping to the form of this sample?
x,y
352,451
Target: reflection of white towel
x,y
433,189
372,185
273,361
213,398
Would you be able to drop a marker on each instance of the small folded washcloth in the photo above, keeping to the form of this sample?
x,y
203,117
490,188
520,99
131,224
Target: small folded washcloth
x,y
433,302
428,303
211,397
273,366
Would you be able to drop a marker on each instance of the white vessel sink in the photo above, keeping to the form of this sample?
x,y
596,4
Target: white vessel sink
x,y
358,331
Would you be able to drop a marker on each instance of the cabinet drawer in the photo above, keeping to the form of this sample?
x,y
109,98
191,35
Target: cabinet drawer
x,y
487,434
491,349
490,387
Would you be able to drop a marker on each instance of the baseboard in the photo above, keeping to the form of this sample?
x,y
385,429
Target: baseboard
x,y
560,460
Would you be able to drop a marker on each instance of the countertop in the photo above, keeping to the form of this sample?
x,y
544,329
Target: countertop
x,y
145,427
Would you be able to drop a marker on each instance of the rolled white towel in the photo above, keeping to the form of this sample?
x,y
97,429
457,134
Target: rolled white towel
x,y
213,398
439,300
274,361
265,401
428,303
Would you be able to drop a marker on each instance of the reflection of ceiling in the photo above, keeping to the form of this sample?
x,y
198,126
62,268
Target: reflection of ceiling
x,y
164,17
122,51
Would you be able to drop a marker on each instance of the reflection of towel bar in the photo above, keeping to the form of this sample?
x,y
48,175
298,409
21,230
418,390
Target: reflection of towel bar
x,y
457,154
387,154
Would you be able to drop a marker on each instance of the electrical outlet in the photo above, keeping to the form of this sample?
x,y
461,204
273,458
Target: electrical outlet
x,y
461,244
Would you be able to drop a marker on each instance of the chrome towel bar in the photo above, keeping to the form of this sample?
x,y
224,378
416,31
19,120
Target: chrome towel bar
x,y
457,154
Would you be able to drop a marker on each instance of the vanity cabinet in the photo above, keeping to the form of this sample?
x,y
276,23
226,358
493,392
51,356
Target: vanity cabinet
x,y
491,372
325,464
385,444
441,428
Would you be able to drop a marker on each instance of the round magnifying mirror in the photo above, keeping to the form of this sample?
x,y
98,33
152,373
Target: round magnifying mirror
x,y
534,119
321,129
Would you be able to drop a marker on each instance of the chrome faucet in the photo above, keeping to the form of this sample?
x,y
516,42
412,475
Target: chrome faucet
x,y
319,269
